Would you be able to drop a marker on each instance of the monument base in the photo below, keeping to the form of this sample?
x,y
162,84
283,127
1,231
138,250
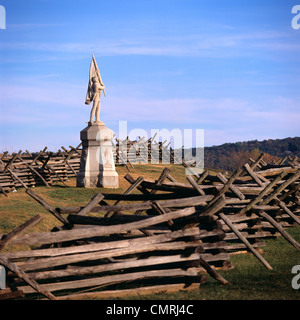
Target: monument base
x,y
97,167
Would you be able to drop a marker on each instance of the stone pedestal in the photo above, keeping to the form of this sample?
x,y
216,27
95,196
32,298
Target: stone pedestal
x,y
97,167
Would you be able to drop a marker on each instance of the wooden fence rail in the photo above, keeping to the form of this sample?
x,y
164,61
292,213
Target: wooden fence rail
x,y
167,235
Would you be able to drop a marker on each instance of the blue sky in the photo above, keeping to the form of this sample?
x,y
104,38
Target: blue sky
x,y
229,67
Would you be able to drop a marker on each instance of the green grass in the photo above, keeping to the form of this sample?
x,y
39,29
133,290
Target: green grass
x,y
249,278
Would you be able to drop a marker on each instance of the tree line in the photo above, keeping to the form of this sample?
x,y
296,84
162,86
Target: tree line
x,y
230,156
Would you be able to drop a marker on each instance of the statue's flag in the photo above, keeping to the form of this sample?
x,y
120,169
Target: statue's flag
x,y
94,72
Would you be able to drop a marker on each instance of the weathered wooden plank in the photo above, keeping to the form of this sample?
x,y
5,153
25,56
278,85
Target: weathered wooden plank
x,y
192,272
258,160
166,186
212,272
209,257
11,161
127,192
233,188
174,203
47,206
254,175
293,191
266,190
8,294
158,208
38,155
203,176
159,182
76,270
287,210
195,185
235,248
55,252
34,286
75,234
256,235
245,241
215,206
131,180
72,169
52,170
17,231
45,263
39,175
174,186
280,229
168,288
190,170
281,188
271,172
94,201
3,191
15,176
227,185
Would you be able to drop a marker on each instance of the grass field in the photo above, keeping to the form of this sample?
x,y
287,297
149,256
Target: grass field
x,y
249,278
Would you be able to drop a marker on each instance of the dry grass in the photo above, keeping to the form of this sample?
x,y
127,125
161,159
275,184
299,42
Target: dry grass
x,y
20,207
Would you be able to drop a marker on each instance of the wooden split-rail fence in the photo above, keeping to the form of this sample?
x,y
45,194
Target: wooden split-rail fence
x,y
159,235
46,168
41,168
129,152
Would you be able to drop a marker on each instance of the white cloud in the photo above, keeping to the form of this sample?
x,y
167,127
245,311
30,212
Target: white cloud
x,y
54,101
170,45
55,111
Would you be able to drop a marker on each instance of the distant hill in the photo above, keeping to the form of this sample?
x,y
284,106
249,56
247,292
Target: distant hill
x,y
230,156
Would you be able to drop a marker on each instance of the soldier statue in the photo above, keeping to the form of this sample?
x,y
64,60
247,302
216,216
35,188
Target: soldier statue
x,y
94,93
